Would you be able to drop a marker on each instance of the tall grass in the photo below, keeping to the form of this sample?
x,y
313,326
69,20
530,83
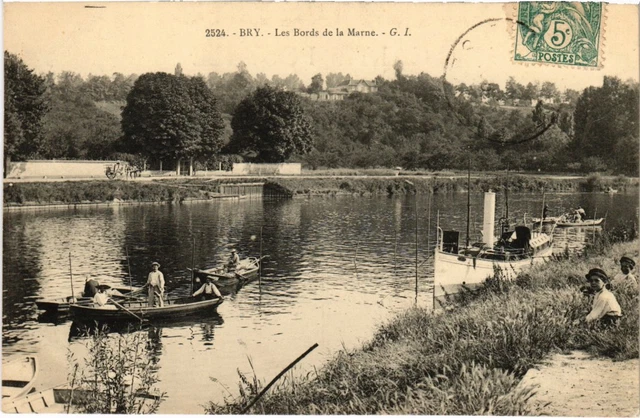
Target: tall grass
x,y
468,359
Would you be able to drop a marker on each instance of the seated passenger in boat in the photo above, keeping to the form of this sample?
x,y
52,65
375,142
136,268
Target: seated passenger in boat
x,y
234,260
101,298
604,308
90,287
208,290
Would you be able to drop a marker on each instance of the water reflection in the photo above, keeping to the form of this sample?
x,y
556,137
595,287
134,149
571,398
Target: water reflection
x,y
337,268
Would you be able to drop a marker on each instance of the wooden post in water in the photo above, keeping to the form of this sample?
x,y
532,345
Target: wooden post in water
x,y
395,252
71,275
193,263
129,266
355,258
416,211
260,262
542,214
595,213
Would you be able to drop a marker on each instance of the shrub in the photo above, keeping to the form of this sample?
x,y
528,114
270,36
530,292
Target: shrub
x,y
114,376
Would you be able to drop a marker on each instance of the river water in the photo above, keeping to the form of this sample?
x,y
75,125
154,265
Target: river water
x,y
337,268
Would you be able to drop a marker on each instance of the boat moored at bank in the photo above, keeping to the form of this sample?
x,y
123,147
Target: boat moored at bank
x,y
459,266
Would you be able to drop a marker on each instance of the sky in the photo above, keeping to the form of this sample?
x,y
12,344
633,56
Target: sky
x,y
149,37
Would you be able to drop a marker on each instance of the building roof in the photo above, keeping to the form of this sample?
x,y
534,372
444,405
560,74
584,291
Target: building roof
x,y
355,82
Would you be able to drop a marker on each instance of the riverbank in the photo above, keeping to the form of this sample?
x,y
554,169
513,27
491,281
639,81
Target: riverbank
x,y
470,359
22,194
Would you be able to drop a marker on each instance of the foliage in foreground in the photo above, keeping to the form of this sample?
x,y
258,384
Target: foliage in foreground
x,y
469,359
117,376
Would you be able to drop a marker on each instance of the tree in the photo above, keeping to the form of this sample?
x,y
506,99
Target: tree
x,y
316,84
549,90
604,117
169,117
335,79
25,106
271,123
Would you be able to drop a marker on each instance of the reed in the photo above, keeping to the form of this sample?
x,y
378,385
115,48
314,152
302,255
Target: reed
x,y
469,359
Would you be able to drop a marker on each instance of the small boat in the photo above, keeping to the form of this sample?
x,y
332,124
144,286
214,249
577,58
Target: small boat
x,y
586,222
247,269
136,310
546,221
58,400
457,267
61,305
611,190
18,377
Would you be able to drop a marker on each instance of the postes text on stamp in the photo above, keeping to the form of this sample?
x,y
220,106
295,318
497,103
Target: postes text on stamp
x,y
564,33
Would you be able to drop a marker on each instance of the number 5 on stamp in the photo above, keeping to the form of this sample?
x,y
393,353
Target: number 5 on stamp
x,y
559,33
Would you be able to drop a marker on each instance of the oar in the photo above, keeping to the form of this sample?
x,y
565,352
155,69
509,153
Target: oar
x,y
126,310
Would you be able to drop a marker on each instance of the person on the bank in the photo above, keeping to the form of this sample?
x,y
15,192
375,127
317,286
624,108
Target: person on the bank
x,y
605,307
90,287
625,276
155,281
208,290
234,260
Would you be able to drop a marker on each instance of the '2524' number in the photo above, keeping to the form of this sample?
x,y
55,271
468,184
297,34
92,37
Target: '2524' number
x,y
214,33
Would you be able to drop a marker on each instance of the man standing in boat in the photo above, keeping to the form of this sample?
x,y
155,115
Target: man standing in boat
x,y
234,260
155,281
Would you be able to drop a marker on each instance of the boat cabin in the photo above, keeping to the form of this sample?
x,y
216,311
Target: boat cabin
x,y
512,245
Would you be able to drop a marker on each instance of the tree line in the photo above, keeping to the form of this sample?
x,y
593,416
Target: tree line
x,y
413,121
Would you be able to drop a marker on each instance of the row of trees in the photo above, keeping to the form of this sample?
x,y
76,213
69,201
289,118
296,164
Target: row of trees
x,y
412,122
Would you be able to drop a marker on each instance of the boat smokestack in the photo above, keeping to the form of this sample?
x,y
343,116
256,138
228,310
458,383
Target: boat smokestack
x,y
489,218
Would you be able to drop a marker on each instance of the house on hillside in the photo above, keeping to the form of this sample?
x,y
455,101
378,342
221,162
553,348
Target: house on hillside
x,y
362,86
343,90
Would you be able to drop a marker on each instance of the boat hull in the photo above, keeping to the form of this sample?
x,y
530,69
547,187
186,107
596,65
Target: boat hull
x,y
453,272
228,282
55,401
173,308
61,305
18,377
588,222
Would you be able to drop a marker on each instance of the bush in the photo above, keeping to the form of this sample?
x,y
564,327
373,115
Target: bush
x,y
114,376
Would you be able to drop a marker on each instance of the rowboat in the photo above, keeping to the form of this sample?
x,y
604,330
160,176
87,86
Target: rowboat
x,y
586,222
56,400
547,220
18,377
247,269
61,305
131,310
457,267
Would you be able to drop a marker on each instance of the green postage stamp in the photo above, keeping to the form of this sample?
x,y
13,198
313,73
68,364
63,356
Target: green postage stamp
x,y
564,33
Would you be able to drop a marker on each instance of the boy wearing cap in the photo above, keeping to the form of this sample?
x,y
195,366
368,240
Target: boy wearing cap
x,y
605,307
155,281
625,276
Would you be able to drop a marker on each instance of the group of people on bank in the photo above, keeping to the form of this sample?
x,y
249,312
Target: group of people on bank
x,y
604,306
155,286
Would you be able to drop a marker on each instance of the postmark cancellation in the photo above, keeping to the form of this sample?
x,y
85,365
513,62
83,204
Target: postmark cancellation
x,y
561,33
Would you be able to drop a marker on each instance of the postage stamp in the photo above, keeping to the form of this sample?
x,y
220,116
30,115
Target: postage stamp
x,y
564,33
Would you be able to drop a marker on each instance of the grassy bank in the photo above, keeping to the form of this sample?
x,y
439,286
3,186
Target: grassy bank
x,y
351,185
99,191
177,190
468,359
